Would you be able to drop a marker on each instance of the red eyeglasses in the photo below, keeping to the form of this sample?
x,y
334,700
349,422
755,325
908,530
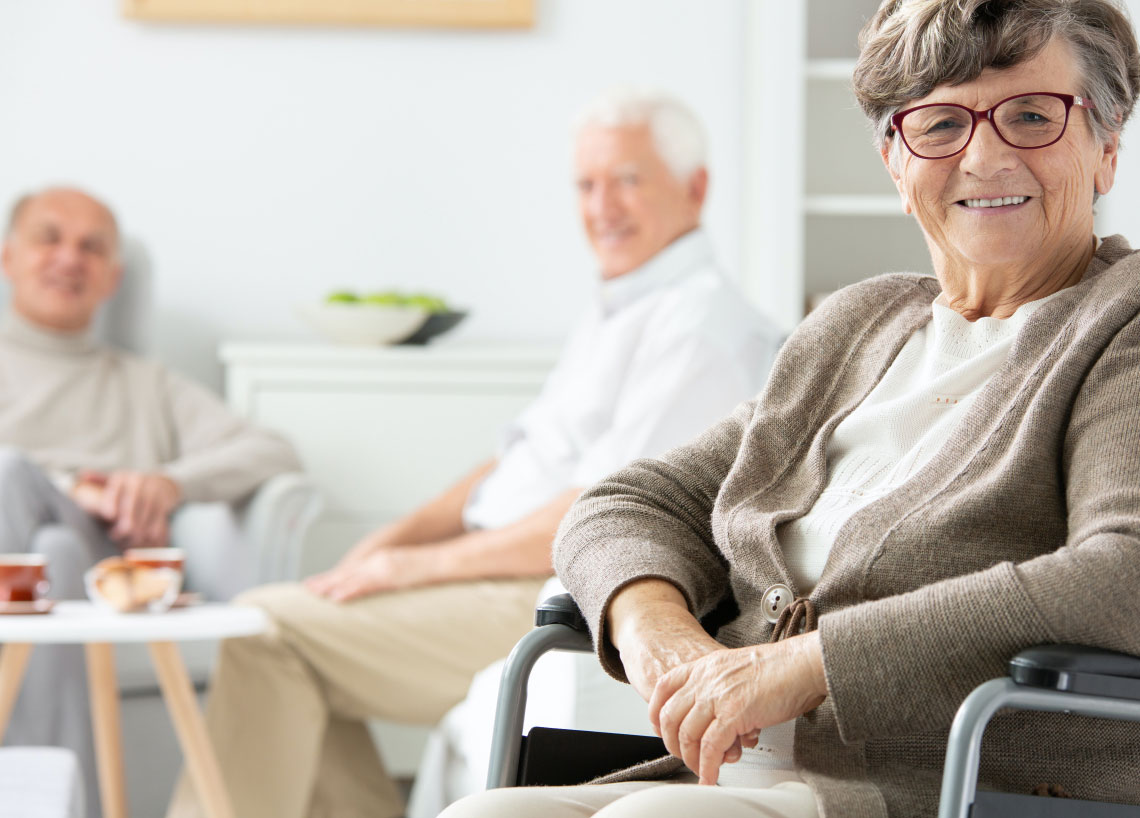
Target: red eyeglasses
x,y
1027,121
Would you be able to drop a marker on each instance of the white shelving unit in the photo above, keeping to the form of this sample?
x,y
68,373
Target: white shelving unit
x,y
853,204
830,69
820,209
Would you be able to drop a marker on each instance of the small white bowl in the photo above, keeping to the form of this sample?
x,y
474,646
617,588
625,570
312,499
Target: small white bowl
x,y
370,324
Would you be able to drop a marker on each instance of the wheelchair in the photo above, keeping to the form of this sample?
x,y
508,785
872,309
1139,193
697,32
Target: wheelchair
x,y
1051,678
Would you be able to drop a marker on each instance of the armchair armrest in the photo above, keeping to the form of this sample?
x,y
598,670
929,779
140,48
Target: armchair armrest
x,y
276,519
230,548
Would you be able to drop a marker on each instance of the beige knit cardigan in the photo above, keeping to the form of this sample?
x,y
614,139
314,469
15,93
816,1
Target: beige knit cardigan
x,y
1023,529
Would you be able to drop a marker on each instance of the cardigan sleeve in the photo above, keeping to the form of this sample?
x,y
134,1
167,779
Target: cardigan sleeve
x,y
948,637
651,519
1101,462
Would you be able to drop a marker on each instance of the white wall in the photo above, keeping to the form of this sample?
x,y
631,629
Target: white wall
x,y
263,166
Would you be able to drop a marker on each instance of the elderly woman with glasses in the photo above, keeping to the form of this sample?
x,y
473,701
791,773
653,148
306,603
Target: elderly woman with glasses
x,y
941,472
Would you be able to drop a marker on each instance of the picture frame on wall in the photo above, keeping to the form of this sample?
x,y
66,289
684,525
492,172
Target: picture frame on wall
x,y
430,13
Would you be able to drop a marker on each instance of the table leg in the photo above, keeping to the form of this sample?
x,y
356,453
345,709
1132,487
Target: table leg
x,y
104,691
13,663
203,766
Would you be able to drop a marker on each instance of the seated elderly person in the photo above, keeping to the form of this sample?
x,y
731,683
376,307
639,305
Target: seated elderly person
x,y
941,472
97,447
398,628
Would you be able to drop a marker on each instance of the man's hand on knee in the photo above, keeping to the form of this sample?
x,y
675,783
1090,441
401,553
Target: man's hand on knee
x,y
137,505
387,569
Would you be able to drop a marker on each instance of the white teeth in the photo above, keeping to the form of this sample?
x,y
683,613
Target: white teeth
x,y
1005,200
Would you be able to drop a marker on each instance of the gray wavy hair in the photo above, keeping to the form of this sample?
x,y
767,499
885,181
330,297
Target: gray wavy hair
x,y
912,46
677,133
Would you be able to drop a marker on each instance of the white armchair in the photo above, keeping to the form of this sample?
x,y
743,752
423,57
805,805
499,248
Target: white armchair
x,y
229,549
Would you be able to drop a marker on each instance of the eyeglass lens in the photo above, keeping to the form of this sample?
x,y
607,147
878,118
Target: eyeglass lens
x,y
1028,121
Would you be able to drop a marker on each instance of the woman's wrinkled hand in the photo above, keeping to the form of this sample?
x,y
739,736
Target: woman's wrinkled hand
x,y
650,624
662,646
707,709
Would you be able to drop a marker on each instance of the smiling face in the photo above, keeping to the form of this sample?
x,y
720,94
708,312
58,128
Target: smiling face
x,y
1007,217
62,259
632,205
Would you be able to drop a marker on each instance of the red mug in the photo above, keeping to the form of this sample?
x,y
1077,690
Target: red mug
x,y
23,577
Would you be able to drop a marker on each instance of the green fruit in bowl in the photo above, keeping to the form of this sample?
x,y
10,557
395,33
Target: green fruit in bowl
x,y
385,299
430,303
342,297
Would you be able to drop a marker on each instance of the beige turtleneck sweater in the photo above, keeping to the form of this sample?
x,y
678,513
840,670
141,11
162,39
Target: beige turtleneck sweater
x,y
68,404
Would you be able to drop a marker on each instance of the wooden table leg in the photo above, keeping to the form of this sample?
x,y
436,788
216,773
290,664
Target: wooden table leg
x,y
203,766
105,719
13,663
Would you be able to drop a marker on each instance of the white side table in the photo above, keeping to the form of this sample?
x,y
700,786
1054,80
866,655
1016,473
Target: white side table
x,y
97,630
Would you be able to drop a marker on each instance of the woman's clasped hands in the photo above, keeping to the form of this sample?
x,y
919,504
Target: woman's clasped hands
x,y
706,710
707,701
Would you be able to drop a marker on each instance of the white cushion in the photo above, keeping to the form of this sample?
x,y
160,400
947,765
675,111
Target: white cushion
x,y
40,782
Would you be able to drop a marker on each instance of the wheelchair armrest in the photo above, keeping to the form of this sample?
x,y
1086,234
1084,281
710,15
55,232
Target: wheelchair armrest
x,y
1078,669
1049,678
560,610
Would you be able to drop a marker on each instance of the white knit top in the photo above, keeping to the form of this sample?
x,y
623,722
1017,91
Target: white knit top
x,y
884,442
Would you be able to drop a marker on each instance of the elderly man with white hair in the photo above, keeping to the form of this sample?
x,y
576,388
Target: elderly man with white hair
x,y
400,626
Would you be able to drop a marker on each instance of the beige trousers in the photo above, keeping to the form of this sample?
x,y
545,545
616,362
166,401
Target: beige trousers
x,y
286,709
639,799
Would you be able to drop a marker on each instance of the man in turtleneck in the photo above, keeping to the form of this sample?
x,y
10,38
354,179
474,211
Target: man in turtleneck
x,y
400,626
97,447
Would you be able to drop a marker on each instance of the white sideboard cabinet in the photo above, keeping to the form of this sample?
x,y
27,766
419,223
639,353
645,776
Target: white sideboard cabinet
x,y
381,429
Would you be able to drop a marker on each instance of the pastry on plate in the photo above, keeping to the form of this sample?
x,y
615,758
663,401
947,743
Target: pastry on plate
x,y
129,587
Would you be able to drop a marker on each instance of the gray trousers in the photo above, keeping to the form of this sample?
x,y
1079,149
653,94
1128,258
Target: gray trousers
x,y
35,517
